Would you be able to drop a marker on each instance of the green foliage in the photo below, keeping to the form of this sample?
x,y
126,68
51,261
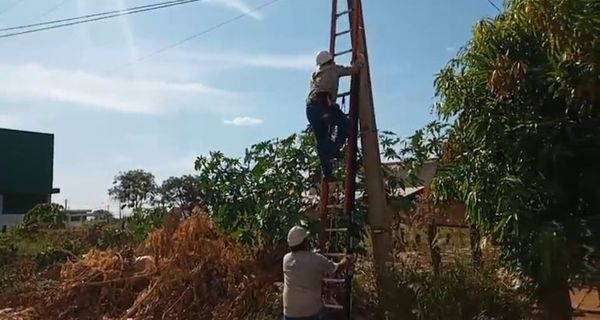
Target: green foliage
x,y
144,220
112,237
51,256
460,292
133,188
8,250
41,249
522,150
184,192
46,215
259,198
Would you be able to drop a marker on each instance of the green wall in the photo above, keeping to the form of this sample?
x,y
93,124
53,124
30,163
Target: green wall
x,y
26,162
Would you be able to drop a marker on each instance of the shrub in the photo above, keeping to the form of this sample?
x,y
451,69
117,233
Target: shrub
x,y
461,292
46,215
51,256
111,237
145,220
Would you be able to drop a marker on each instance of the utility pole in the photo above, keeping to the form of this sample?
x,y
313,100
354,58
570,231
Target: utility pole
x,y
121,215
378,214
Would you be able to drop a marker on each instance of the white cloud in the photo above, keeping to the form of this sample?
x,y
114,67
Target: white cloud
x,y
271,61
244,121
450,49
237,5
41,83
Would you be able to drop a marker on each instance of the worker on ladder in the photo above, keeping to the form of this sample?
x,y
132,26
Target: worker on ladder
x,y
322,110
303,273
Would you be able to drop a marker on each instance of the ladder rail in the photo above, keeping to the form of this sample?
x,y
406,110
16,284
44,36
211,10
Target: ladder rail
x,y
352,151
332,38
353,11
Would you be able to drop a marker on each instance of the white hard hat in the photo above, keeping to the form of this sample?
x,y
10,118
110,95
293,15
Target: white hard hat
x,y
296,236
323,57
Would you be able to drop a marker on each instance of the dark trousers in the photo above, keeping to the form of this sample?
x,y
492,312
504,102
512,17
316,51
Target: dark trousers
x,y
321,117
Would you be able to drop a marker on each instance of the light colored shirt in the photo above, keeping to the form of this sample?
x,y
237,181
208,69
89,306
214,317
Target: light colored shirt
x,y
326,79
303,273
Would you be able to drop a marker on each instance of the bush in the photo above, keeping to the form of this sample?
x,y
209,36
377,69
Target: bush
x,y
460,292
46,215
51,256
111,237
463,292
145,220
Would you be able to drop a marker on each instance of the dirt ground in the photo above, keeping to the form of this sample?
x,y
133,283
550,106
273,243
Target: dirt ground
x,y
586,302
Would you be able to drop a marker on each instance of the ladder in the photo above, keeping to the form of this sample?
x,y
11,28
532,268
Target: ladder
x,y
337,206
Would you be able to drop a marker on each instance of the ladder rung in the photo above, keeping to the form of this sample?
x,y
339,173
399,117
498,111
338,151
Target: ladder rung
x,y
343,52
335,206
334,280
339,14
343,94
334,306
336,229
342,33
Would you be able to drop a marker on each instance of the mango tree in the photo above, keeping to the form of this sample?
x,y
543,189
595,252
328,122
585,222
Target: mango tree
x,y
523,99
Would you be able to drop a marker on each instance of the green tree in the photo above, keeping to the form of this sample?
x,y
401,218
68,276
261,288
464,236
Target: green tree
x,y
523,98
46,215
258,198
184,192
133,188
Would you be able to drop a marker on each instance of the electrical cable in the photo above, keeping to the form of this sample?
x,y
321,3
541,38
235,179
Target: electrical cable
x,y
201,33
102,15
94,19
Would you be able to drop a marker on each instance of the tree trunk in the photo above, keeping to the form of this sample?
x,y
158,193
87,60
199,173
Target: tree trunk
x,y
556,301
476,246
553,290
436,257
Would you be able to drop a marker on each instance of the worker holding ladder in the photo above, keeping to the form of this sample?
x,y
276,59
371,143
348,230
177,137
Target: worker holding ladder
x,y
304,272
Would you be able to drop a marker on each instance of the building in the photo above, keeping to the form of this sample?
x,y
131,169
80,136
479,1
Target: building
x,y
80,217
449,214
26,173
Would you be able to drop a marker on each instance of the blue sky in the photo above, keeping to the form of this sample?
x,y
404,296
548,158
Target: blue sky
x,y
226,90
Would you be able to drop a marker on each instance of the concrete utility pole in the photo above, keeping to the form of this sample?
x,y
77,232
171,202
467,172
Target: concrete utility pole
x,y
379,219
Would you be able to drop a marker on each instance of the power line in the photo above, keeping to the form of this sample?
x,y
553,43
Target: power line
x,y
494,5
123,11
201,33
94,19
